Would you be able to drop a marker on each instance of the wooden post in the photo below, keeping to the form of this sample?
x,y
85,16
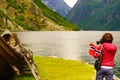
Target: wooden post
x,y
32,69
16,70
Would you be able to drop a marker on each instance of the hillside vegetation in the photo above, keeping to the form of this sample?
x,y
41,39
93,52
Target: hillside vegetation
x,y
55,16
96,14
26,15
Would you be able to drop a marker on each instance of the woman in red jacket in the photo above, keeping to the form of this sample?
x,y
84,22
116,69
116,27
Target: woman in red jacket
x,y
107,61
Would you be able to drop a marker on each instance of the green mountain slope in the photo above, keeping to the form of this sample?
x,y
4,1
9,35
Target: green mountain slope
x,y
96,14
26,15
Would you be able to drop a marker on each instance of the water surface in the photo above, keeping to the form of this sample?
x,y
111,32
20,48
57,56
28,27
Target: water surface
x,y
67,44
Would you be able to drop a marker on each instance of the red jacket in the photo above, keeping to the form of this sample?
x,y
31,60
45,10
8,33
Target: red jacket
x,y
108,54
109,51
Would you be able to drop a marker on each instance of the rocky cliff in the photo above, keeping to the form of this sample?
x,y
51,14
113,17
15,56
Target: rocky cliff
x,y
58,6
27,15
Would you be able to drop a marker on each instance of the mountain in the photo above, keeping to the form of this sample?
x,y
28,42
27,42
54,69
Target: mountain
x,y
96,14
31,15
58,6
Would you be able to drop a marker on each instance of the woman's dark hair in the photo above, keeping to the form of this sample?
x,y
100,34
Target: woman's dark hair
x,y
107,37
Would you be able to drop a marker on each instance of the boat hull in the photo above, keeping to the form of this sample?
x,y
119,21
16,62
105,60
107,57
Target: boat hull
x,y
8,58
14,58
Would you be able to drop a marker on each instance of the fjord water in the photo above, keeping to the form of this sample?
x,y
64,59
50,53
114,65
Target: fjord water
x,y
67,44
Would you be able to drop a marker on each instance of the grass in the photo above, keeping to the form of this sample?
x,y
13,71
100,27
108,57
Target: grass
x,y
60,69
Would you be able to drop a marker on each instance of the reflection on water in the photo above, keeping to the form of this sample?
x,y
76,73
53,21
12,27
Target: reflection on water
x,y
70,45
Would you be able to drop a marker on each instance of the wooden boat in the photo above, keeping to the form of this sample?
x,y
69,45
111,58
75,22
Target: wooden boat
x,y
14,58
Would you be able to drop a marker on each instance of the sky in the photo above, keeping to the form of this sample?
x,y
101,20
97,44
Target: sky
x,y
70,2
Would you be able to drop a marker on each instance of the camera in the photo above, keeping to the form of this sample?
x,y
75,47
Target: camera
x,y
99,42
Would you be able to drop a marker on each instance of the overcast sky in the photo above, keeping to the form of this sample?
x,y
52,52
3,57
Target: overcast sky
x,y
70,2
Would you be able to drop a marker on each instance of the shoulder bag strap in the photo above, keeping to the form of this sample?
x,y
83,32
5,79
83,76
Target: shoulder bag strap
x,y
101,53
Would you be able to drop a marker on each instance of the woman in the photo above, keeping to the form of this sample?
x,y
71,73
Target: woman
x,y
107,61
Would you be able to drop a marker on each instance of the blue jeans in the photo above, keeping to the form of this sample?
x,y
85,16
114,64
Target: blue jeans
x,y
104,73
